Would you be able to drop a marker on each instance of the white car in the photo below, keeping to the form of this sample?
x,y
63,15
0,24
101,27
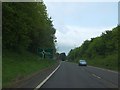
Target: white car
x,y
82,63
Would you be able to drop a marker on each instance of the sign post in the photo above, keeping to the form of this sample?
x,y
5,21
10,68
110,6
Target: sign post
x,y
45,53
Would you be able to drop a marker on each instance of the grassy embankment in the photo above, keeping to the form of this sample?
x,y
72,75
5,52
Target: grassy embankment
x,y
109,62
17,66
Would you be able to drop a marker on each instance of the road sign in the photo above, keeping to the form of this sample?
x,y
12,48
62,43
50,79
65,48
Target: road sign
x,y
45,53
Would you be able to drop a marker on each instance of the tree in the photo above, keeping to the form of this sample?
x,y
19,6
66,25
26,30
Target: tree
x,y
104,45
26,26
62,56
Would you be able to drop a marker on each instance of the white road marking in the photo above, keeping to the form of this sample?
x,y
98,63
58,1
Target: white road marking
x,y
82,69
96,76
46,78
104,69
103,79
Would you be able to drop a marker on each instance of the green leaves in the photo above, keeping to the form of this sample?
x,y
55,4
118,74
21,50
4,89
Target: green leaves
x,y
102,46
27,26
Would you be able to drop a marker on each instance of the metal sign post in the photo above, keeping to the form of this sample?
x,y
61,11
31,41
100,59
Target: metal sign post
x,y
45,53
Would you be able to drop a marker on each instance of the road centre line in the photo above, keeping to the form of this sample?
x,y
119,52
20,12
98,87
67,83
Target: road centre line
x,y
103,79
96,76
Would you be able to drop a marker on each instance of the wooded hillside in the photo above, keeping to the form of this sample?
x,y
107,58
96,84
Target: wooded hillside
x,y
26,26
100,50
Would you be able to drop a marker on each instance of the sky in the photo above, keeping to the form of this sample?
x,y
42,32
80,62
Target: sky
x,y
76,22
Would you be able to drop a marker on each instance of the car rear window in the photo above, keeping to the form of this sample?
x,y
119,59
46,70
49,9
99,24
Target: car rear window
x,y
82,60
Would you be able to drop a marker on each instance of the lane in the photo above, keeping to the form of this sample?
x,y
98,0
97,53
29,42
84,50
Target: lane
x,y
70,75
104,74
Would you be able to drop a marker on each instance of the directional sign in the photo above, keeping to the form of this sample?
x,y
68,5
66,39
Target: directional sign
x,y
45,53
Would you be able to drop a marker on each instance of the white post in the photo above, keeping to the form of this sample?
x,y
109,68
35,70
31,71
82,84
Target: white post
x,y
43,53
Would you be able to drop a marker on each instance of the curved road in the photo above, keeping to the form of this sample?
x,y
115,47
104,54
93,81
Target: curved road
x,y
70,75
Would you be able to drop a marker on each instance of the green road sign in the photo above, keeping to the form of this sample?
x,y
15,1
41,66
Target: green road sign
x,y
45,53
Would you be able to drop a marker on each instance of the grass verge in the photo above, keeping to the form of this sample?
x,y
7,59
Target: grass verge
x,y
17,66
109,62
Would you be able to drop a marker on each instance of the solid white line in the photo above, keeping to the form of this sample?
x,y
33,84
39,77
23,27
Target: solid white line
x,y
104,69
46,78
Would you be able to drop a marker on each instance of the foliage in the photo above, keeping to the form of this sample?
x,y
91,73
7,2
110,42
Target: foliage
x,y
25,28
101,46
62,56
18,66
26,25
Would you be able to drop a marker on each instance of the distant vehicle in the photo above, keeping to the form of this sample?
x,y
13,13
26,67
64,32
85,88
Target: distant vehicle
x,y
82,63
62,56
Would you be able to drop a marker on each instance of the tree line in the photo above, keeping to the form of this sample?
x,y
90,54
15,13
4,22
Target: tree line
x,y
101,46
26,26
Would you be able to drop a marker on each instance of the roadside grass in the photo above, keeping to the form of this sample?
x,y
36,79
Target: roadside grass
x,y
16,66
110,62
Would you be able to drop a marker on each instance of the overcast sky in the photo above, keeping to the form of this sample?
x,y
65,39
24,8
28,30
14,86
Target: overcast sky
x,y
76,22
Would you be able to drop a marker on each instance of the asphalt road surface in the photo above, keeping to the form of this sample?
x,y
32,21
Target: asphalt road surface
x,y
70,75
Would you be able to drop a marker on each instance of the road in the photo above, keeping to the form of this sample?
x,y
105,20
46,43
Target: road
x,y
70,75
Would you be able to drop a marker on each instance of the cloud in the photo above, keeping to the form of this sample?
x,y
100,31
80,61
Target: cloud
x,y
74,36
79,21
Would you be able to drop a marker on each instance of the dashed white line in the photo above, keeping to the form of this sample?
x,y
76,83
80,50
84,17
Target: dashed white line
x,y
46,78
82,69
103,79
96,76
